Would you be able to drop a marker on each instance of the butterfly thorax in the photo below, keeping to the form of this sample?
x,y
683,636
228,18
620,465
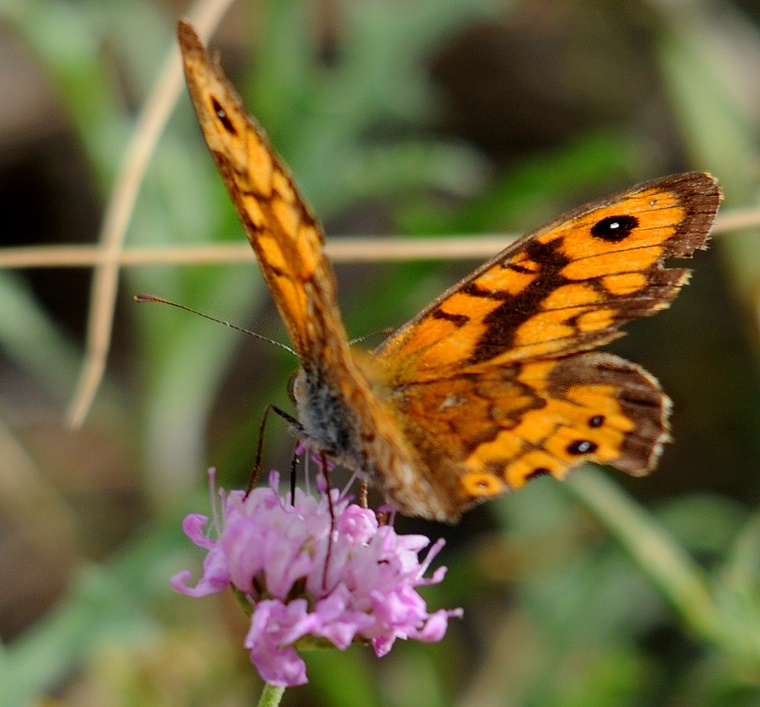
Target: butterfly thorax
x,y
373,442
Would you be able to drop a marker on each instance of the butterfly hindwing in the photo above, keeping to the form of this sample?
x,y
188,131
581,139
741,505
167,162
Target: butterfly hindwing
x,y
491,431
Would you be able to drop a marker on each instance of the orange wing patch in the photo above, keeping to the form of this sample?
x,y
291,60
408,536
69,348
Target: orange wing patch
x,y
564,288
493,383
506,426
282,230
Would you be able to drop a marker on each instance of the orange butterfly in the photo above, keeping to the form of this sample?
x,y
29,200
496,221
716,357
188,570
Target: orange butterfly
x,y
494,382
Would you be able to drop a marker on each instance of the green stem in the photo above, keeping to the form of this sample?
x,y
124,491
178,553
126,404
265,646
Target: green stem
x,y
678,577
271,695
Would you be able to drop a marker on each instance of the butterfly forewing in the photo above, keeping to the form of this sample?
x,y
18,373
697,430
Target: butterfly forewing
x,y
564,288
284,234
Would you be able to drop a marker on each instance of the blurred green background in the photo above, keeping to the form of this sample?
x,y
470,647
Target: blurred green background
x,y
412,118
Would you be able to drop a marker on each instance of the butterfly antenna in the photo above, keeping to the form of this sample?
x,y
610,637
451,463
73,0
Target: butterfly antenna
x,y
360,339
161,300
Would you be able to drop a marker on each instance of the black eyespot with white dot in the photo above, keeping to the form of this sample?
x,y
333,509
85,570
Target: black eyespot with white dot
x,y
582,446
224,119
614,228
596,421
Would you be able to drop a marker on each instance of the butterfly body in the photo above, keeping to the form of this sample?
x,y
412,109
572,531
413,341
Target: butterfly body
x,y
494,382
372,442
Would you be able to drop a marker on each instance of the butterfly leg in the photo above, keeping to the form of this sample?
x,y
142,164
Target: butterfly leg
x,y
326,472
293,464
363,492
295,424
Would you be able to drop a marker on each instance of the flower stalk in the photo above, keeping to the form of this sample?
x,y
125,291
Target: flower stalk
x,y
271,695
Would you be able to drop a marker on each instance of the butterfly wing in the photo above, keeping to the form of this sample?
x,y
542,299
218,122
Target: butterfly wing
x,y
564,288
493,382
284,234
338,412
488,433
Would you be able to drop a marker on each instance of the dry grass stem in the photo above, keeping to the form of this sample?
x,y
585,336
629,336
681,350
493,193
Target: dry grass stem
x,y
159,104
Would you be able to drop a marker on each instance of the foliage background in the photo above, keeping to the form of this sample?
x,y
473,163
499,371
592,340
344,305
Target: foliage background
x,y
426,118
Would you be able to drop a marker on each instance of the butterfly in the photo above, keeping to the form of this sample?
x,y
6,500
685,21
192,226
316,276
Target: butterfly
x,y
497,380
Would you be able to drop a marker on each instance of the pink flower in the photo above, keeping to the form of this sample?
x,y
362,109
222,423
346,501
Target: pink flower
x,y
310,576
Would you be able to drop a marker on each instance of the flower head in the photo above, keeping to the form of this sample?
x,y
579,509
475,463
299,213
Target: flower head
x,y
309,574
